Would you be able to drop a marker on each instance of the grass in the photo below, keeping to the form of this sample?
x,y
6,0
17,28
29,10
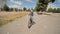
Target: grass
x,y
6,17
2,21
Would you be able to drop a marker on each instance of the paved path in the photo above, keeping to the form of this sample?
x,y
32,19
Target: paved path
x,y
44,24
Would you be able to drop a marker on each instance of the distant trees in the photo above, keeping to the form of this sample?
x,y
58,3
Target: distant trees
x,y
54,10
11,9
58,10
16,9
24,8
1,9
28,9
50,10
6,8
31,8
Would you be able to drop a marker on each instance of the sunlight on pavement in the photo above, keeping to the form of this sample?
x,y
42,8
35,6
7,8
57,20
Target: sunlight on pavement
x,y
45,15
54,15
7,32
18,24
45,26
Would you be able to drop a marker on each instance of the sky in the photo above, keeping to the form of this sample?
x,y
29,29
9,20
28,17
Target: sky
x,y
28,3
56,4
21,3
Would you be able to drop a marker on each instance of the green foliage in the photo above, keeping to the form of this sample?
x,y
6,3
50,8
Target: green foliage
x,y
50,10
58,10
1,9
19,9
32,9
29,9
41,5
55,10
16,9
24,8
11,9
6,8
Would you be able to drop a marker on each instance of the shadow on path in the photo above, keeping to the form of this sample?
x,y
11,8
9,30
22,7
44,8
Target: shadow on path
x,y
30,23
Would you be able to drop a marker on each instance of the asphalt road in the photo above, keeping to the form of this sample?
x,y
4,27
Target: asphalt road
x,y
44,24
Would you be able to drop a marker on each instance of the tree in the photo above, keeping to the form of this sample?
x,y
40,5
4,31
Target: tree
x,y
58,10
32,9
11,9
6,8
54,10
28,9
24,8
50,10
16,9
1,9
41,5
20,9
